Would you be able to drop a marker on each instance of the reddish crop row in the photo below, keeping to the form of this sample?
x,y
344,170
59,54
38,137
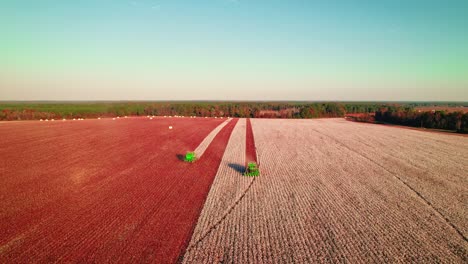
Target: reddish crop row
x,y
103,190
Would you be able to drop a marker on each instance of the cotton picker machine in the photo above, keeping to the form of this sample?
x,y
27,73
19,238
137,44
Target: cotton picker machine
x,y
190,157
252,170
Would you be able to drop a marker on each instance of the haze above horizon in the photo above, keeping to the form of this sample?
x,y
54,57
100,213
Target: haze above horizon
x,y
234,50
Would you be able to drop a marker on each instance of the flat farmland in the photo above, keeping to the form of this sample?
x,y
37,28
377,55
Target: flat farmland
x,y
331,190
103,190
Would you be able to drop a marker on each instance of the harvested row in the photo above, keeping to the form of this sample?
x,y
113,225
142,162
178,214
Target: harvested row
x,y
200,150
317,200
250,151
102,191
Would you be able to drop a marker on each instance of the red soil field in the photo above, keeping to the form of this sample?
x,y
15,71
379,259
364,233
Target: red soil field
x,y
103,190
250,152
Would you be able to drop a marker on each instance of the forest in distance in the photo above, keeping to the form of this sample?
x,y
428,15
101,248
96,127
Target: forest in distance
x,y
451,116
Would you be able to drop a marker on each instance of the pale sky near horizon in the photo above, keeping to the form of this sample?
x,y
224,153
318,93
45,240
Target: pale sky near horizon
x,y
388,50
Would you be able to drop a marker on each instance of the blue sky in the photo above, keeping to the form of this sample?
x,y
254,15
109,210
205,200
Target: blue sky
x,y
233,50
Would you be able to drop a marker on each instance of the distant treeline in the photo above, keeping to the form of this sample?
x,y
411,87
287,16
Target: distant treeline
x,y
408,116
32,111
395,113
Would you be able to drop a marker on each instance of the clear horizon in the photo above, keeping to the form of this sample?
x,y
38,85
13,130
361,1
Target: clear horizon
x,y
238,50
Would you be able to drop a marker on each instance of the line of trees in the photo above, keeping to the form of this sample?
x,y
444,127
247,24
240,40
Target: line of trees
x,y
25,111
395,113
407,116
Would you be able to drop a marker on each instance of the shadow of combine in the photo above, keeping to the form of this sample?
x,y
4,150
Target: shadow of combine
x,y
180,157
237,167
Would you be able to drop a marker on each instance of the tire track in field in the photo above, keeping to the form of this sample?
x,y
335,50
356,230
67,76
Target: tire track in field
x,y
427,202
222,218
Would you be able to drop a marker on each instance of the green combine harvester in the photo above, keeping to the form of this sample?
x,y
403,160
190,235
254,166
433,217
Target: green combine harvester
x,y
252,170
190,157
